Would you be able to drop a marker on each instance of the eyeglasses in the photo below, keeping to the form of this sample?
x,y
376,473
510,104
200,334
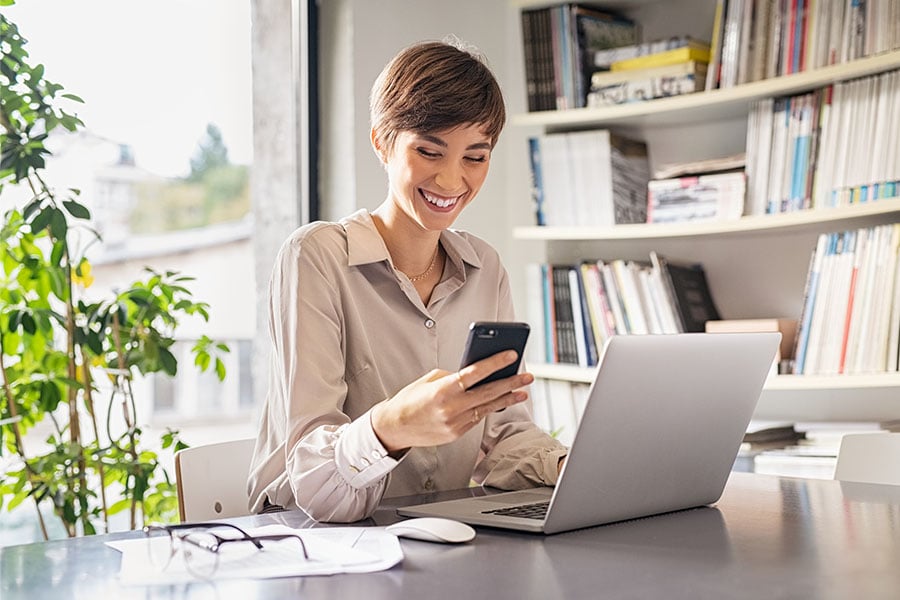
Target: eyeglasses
x,y
200,543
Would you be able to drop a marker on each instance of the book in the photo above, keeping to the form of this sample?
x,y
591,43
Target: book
x,y
771,431
596,30
603,59
716,197
567,347
786,326
809,302
669,57
537,182
707,166
592,178
647,89
689,289
558,45
584,334
599,310
715,52
603,78
536,309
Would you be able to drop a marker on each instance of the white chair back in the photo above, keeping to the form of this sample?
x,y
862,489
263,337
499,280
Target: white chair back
x,y
212,480
869,458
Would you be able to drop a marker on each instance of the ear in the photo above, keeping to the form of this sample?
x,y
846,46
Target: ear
x,y
379,151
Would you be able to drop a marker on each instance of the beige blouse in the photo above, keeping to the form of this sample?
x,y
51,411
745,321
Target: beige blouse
x,y
349,330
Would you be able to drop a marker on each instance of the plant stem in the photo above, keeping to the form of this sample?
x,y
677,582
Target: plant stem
x,y
130,422
89,404
71,398
20,445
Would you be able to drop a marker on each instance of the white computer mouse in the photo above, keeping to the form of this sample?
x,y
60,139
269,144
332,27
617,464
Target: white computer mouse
x,y
433,529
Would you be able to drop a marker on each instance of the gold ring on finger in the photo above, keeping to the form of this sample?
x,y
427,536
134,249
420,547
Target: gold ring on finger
x,y
462,386
475,415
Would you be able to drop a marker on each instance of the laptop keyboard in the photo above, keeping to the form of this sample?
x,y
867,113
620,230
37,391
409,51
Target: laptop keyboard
x,y
538,510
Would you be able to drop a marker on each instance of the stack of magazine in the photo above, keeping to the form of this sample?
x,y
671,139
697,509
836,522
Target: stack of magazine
x,y
707,190
669,67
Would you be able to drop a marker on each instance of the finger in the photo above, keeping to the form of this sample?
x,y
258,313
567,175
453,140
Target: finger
x,y
477,371
494,389
480,411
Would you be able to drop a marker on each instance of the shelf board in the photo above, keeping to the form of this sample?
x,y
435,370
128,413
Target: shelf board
x,y
799,220
795,397
707,106
577,374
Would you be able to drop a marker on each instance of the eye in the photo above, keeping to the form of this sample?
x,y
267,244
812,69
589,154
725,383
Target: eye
x,y
476,159
427,153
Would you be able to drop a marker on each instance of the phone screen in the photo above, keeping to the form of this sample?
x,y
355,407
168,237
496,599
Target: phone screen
x,y
487,338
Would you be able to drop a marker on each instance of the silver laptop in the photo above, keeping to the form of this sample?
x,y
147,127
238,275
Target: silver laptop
x,y
660,432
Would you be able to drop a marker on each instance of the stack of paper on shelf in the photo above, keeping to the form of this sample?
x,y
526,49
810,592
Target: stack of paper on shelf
x,y
814,456
619,87
716,197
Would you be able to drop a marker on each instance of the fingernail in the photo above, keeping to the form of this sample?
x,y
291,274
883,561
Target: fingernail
x,y
511,355
527,378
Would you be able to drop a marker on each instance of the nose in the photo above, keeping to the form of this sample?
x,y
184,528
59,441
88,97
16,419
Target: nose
x,y
449,177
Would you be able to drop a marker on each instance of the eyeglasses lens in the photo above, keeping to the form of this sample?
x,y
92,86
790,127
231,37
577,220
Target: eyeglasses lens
x,y
159,547
200,553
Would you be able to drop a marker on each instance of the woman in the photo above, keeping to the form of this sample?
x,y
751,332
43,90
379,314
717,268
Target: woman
x,y
367,314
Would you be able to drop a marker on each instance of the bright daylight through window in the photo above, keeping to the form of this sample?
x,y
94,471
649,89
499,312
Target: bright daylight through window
x,y
162,163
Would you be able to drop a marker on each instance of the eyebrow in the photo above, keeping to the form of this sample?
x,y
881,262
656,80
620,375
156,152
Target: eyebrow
x,y
436,140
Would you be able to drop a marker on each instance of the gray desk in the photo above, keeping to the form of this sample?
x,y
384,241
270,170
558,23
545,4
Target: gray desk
x,y
766,538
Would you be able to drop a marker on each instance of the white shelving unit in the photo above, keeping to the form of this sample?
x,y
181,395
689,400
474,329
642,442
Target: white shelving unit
x,y
756,265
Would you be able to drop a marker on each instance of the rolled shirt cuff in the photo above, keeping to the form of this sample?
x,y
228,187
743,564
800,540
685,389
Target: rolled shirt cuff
x,y
359,456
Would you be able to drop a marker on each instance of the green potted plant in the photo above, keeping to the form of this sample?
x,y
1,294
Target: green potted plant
x,y
66,360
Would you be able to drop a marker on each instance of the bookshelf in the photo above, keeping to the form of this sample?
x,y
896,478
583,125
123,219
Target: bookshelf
x,y
757,265
705,106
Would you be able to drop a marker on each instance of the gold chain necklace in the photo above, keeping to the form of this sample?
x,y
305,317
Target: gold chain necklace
x,y
426,272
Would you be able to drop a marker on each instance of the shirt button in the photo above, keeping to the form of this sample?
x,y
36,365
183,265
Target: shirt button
x,y
429,323
429,484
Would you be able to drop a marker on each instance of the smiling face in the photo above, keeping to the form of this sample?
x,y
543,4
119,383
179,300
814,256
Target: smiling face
x,y
433,176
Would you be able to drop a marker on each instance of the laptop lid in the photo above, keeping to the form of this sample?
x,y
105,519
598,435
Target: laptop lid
x,y
660,432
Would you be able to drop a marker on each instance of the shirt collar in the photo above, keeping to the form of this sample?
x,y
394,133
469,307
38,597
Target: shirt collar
x,y
365,245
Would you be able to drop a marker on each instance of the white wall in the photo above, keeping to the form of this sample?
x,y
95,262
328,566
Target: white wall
x,y
357,40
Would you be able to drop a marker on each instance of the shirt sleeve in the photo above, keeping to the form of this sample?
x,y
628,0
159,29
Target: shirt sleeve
x,y
337,469
516,453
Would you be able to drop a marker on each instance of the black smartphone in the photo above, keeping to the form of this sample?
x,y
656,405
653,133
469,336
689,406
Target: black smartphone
x,y
487,338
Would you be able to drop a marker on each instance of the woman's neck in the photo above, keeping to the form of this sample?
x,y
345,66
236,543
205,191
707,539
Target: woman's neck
x,y
412,248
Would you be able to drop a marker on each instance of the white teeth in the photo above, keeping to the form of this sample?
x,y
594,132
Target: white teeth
x,y
440,202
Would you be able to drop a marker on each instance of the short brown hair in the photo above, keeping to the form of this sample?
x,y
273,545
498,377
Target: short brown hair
x,y
433,86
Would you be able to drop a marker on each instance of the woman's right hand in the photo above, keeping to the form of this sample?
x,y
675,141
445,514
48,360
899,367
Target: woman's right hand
x,y
438,407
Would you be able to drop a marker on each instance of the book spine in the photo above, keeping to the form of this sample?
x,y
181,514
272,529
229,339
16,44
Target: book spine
x,y
565,324
578,322
550,336
537,181
527,19
809,303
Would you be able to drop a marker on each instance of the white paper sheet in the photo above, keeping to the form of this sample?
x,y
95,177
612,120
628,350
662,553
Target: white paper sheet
x,y
331,550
